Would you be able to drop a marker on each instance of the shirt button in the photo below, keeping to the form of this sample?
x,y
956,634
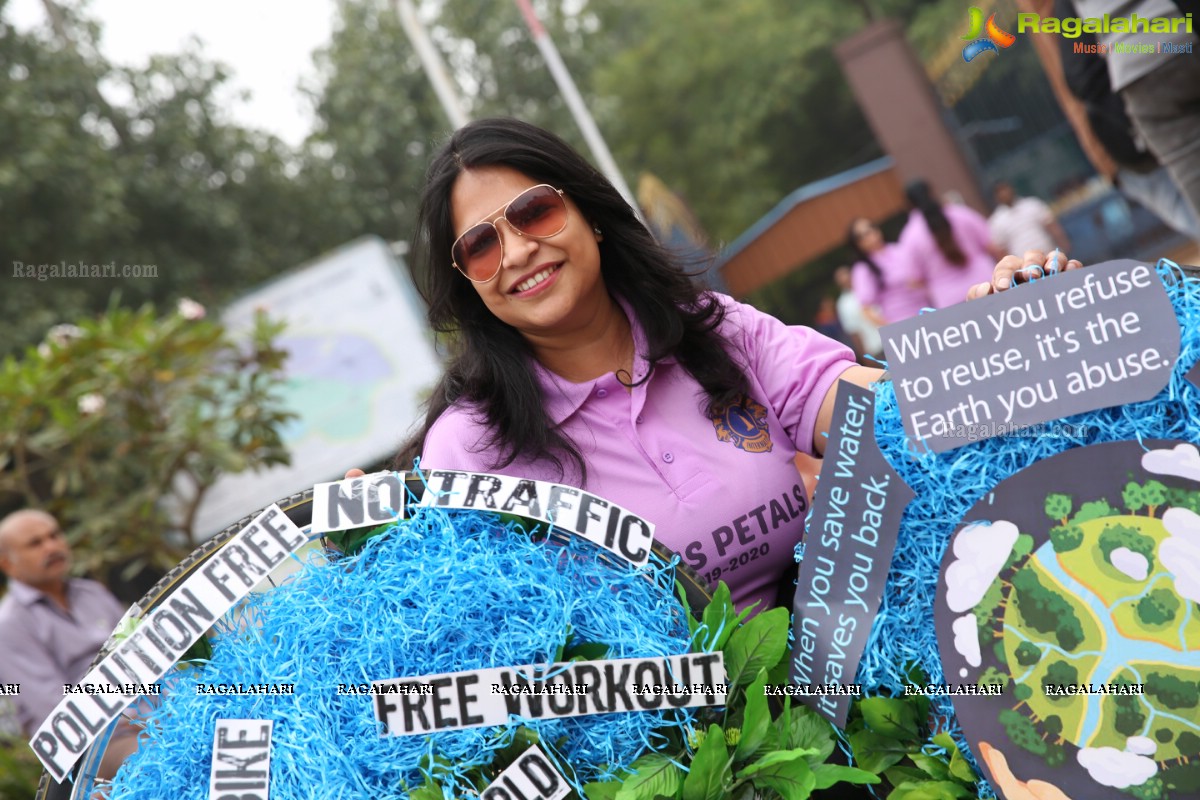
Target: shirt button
x,y
639,419
668,456
602,393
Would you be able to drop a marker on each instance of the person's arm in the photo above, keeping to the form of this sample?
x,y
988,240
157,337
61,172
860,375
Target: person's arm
x,y
859,376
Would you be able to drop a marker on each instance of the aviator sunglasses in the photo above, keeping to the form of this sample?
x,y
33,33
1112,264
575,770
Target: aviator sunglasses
x,y
538,212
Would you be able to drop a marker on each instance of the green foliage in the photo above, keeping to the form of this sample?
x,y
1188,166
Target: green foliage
x,y
1133,497
1021,731
1129,719
740,750
1158,607
1114,536
120,426
1027,654
1173,692
1095,509
1155,494
1188,744
19,770
1046,611
1058,506
162,179
1065,538
1061,673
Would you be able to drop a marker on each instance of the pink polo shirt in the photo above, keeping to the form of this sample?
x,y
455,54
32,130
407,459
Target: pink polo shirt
x,y
902,292
721,491
948,282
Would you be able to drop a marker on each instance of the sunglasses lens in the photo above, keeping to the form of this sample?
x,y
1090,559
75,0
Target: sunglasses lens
x,y
540,212
477,252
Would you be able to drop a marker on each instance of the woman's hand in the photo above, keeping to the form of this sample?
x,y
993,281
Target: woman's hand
x,y
1015,269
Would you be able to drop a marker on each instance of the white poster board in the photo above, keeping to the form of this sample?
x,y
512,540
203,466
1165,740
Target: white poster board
x,y
361,362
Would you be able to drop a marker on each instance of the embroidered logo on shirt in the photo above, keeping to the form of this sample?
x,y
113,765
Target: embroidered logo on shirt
x,y
743,423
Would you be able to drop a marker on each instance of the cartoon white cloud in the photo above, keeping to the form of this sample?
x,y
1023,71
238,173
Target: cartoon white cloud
x,y
966,638
1109,766
1183,460
1140,745
980,550
1132,564
1180,552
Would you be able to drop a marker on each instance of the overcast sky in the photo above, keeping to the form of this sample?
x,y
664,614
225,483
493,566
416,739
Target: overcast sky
x,y
268,44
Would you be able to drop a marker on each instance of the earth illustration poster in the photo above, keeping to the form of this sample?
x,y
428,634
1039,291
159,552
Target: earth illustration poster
x,y
1075,587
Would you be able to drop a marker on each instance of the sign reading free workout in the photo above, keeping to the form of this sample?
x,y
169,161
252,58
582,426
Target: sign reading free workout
x,y
1073,342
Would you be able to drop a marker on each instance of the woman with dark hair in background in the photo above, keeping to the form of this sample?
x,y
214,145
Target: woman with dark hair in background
x,y
885,279
584,354
950,244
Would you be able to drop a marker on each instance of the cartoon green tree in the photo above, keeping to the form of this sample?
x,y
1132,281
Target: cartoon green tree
x,y
1027,654
1188,745
1158,607
1060,673
1022,692
1128,719
1114,536
1133,497
1058,506
1065,538
993,677
1096,509
1155,494
1053,726
1151,789
1021,731
1173,692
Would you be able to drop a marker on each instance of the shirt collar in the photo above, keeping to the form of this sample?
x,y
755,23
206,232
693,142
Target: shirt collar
x,y
25,594
563,398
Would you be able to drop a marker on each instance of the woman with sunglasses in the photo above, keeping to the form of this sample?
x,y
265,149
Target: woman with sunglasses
x,y
584,354
886,278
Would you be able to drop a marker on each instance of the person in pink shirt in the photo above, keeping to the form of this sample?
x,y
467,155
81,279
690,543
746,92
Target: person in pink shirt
x,y
950,244
583,353
885,279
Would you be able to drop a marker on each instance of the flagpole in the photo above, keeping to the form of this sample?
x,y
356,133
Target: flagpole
x,y
570,93
443,86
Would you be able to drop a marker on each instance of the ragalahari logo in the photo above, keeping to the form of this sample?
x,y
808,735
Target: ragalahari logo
x,y
994,39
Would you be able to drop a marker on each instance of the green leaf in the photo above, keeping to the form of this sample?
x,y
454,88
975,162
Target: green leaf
x,y
902,774
932,766
430,791
809,729
785,772
756,719
961,768
692,623
945,740
653,774
759,644
772,759
601,791
710,774
890,716
876,753
829,774
930,790
718,620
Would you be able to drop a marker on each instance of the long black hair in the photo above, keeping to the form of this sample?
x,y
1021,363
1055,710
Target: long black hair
x,y
920,197
861,254
491,365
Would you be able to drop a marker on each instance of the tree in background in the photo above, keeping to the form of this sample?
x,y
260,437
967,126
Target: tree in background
x,y
120,425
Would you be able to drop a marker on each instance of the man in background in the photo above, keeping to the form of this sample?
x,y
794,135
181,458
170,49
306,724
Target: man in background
x,y
1020,223
51,625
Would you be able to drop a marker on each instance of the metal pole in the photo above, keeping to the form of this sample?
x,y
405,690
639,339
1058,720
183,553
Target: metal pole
x,y
443,86
575,102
